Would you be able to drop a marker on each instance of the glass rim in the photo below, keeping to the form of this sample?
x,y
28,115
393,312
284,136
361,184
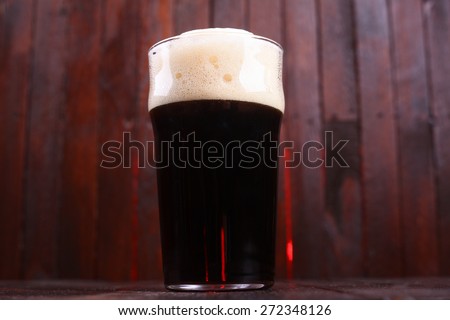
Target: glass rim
x,y
230,31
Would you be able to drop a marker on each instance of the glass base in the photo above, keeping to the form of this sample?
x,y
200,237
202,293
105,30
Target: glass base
x,y
218,287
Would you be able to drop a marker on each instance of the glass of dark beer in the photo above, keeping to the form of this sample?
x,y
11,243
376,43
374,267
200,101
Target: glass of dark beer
x,y
216,102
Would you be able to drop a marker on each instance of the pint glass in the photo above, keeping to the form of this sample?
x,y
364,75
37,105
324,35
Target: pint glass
x,y
216,102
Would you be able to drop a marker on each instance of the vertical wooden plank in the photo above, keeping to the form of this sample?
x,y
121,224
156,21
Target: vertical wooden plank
x,y
44,139
383,246
189,15
16,22
229,14
154,25
117,213
303,118
265,19
77,223
417,190
343,219
437,23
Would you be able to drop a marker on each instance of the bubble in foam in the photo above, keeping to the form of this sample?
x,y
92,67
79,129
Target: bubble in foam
x,y
214,61
226,64
227,77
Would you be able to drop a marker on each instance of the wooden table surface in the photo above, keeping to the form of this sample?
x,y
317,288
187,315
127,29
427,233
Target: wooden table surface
x,y
423,288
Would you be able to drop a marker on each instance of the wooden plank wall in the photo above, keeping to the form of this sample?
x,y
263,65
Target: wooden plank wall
x,y
73,75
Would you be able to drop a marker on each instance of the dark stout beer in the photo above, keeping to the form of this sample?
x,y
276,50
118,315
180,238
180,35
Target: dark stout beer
x,y
217,182
218,224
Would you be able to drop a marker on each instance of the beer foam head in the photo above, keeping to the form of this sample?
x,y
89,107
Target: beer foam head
x,y
216,64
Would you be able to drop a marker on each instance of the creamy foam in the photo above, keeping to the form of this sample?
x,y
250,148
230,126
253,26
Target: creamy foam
x,y
219,64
